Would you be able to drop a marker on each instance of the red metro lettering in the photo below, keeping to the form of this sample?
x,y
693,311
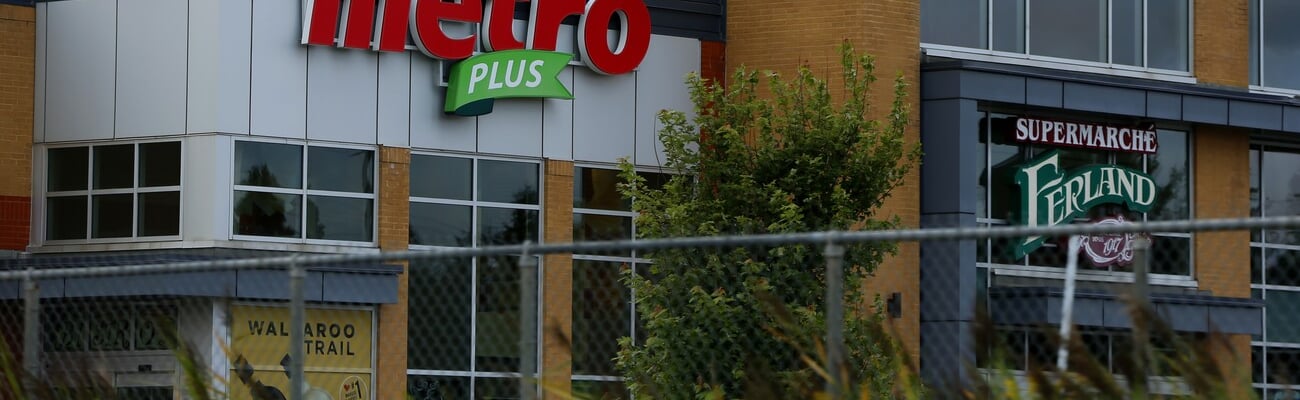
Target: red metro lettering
x,y
381,25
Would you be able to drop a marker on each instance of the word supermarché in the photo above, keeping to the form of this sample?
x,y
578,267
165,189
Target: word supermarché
x,y
383,26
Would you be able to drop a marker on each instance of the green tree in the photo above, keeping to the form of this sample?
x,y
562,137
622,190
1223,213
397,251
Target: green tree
x,y
737,321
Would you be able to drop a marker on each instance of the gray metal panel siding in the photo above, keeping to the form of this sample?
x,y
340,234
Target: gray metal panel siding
x,y
359,288
940,85
1105,99
213,284
993,87
1164,105
1236,321
1205,109
1254,115
950,128
274,285
1042,92
1184,317
1291,119
948,269
699,19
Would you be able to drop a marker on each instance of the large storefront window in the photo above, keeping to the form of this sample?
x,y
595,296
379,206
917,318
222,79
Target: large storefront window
x,y
1000,202
113,191
603,309
1275,267
1274,50
465,312
1150,34
273,179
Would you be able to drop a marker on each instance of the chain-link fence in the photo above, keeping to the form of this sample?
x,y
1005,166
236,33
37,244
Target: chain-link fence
x,y
974,311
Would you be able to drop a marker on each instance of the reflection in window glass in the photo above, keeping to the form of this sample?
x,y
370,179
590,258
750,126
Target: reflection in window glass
x,y
340,218
267,214
1280,51
602,390
954,22
598,188
437,387
440,225
1254,42
159,214
1281,182
114,166
496,320
1008,25
1171,255
506,226
1126,20
601,311
268,164
1281,267
589,227
441,177
160,164
507,182
112,216
1168,167
1074,29
65,218
440,318
66,169
1282,326
340,170
1167,27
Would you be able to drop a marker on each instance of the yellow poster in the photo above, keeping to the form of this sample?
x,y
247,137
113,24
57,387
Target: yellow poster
x,y
336,345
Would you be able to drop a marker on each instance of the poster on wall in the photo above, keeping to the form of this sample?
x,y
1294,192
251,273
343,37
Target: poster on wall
x,y
337,345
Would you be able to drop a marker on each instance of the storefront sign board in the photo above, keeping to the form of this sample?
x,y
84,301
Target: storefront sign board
x,y
337,346
1051,196
1082,135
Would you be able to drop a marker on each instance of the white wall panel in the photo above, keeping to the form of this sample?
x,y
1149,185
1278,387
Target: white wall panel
x,y
514,127
603,116
661,84
79,70
38,119
430,127
342,86
394,102
557,123
279,71
220,43
151,59
207,188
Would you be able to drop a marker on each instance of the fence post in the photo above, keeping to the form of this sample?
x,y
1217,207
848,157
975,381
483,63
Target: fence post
x,y
1067,304
297,317
31,330
834,254
1141,309
527,325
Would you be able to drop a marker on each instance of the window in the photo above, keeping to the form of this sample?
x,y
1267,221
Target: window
x,y
998,201
270,188
1275,267
1133,34
1274,50
603,310
113,191
467,310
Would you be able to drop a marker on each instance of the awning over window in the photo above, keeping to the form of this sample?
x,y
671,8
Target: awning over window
x,y
1102,309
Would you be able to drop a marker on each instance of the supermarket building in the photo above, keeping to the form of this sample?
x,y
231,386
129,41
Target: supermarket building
x,y
229,125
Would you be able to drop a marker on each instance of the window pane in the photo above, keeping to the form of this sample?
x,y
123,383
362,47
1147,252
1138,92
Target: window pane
x,y
598,188
441,177
340,170
110,331
1254,182
1282,267
496,388
1171,255
506,226
954,22
1169,168
1009,25
1074,29
440,225
588,227
497,318
267,214
1282,322
340,218
1167,27
160,164
111,216
981,194
601,315
268,164
600,390
65,218
1284,368
114,166
1256,265
1281,181
1005,159
440,311
437,387
67,169
1281,50
160,214
655,180
1254,42
1127,30
507,182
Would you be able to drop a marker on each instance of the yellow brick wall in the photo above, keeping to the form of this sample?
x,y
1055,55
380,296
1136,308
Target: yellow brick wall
x,y
1222,190
394,221
1222,42
557,284
17,74
782,35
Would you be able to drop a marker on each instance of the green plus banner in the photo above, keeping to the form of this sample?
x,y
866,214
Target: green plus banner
x,y
477,81
1050,196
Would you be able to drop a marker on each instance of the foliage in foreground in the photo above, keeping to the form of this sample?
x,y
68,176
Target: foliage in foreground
x,y
793,161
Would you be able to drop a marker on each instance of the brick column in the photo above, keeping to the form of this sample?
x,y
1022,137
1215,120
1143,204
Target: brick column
x,y
557,284
394,221
17,74
1222,42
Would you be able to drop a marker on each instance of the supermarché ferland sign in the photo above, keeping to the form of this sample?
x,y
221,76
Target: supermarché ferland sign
x,y
509,67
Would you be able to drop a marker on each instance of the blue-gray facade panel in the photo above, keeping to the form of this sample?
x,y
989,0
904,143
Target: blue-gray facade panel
x,y
1207,110
1043,93
1255,115
1164,106
1104,99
